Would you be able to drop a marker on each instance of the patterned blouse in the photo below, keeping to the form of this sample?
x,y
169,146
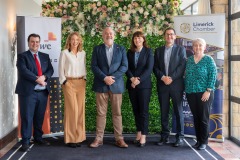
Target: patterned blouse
x,y
200,76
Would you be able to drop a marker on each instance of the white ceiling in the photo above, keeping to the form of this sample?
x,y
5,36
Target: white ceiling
x,y
185,3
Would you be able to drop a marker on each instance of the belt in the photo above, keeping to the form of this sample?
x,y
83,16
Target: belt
x,y
74,78
39,90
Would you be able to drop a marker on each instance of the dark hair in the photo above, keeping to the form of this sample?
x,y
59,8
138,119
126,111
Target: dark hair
x,y
33,35
169,29
138,34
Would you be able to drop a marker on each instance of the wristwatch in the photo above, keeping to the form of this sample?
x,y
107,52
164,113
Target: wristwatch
x,y
208,90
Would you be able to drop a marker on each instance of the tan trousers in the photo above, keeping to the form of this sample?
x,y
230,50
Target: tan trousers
x,y
102,105
74,110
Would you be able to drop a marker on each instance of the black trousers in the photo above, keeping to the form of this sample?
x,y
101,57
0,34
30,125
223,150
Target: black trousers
x,y
201,114
140,99
164,100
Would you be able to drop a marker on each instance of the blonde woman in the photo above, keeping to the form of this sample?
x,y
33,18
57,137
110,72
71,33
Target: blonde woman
x,y
72,77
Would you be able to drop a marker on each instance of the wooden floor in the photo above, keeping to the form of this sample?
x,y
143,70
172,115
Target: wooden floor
x,y
228,150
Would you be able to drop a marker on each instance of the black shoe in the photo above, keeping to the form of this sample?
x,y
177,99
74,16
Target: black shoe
x,y
202,147
163,141
179,142
141,144
25,148
136,141
42,142
196,145
78,144
72,145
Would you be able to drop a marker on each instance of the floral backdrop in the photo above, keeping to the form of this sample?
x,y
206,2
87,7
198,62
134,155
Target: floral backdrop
x,y
125,17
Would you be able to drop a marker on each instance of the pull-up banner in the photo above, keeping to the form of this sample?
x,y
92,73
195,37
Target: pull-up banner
x,y
212,29
49,30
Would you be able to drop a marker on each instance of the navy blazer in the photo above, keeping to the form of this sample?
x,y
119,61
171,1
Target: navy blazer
x,y
101,69
177,65
143,70
27,72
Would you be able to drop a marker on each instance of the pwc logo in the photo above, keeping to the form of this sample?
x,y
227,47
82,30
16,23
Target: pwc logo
x,y
51,37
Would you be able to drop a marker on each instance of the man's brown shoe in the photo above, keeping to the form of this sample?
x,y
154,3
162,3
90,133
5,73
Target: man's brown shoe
x,y
96,143
120,143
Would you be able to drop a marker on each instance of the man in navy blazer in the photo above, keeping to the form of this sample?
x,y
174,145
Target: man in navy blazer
x,y
32,89
169,67
109,64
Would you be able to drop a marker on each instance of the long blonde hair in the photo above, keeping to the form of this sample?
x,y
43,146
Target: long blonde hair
x,y
68,42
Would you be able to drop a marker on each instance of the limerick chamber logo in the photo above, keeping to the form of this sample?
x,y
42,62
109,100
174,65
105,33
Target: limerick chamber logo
x,y
185,28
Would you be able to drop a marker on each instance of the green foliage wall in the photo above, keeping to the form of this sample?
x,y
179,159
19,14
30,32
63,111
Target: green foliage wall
x,y
125,17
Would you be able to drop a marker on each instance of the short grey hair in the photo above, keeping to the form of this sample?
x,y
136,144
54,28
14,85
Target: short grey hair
x,y
109,28
199,40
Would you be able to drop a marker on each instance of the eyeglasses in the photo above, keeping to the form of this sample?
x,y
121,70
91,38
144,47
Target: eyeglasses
x,y
171,34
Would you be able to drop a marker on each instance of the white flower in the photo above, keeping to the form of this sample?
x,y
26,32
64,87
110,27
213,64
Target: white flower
x,y
119,9
146,13
98,3
65,5
149,6
93,32
134,11
140,10
136,18
164,2
124,8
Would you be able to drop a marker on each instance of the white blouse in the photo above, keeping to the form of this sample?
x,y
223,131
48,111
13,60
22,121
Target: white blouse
x,y
72,65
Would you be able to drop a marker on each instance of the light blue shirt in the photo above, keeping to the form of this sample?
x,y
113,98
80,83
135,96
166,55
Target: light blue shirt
x,y
167,55
109,54
137,54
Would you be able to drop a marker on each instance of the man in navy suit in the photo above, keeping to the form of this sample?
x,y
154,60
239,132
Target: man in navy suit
x,y
169,67
32,89
109,64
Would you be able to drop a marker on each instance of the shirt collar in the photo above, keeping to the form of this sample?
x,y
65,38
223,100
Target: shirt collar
x,y
168,47
33,52
139,50
108,47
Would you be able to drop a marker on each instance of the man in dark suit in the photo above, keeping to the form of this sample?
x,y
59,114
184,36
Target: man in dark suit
x,y
109,63
169,66
34,71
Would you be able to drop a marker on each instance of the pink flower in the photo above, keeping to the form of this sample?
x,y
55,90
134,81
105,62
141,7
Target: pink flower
x,y
175,4
104,8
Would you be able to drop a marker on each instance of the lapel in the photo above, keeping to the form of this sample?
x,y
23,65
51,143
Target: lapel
x,y
162,63
171,58
42,59
104,53
32,60
115,52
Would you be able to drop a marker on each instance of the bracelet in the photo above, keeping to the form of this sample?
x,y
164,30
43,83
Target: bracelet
x,y
208,90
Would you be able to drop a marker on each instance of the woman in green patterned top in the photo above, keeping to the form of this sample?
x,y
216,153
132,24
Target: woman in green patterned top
x,y
199,87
